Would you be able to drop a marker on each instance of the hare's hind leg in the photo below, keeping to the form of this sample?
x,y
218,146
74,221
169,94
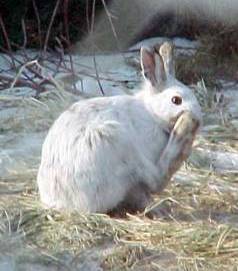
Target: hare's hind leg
x,y
138,198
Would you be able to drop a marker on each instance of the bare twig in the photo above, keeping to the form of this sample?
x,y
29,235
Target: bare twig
x,y
21,71
45,79
93,16
17,61
19,83
66,21
5,35
97,75
29,81
24,33
60,52
90,28
110,16
50,26
38,22
8,45
87,15
71,66
21,52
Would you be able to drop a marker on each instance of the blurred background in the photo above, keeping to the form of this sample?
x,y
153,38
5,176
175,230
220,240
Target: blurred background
x,y
116,24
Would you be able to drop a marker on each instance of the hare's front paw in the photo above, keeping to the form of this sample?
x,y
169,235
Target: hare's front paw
x,y
180,143
185,127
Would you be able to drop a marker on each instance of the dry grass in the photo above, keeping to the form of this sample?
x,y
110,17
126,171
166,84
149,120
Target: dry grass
x,y
199,232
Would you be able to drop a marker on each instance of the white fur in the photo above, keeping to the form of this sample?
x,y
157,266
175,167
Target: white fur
x,y
98,150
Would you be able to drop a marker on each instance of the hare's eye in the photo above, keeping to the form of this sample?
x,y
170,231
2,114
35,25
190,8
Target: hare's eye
x,y
177,100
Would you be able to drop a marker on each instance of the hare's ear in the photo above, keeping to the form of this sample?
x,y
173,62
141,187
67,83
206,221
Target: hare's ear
x,y
166,51
153,68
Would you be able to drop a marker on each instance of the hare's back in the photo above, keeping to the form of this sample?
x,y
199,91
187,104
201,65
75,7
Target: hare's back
x,y
115,120
97,109
86,121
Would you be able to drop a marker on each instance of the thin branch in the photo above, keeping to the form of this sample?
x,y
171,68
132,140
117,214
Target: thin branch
x,y
5,35
93,43
71,66
66,20
97,75
24,33
8,45
13,58
23,67
93,16
90,28
38,22
36,73
110,16
19,83
21,52
50,26
87,15
60,53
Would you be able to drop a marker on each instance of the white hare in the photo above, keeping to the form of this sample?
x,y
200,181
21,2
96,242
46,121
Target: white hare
x,y
108,151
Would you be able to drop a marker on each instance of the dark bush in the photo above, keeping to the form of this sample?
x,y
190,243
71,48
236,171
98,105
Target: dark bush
x,y
69,18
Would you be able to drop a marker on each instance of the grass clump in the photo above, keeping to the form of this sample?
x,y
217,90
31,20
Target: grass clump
x,y
200,230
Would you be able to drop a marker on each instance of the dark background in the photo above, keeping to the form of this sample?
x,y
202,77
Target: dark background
x,y
70,24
